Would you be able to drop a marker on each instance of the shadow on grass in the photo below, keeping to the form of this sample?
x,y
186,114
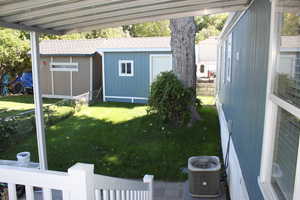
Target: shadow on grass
x,y
129,149
117,105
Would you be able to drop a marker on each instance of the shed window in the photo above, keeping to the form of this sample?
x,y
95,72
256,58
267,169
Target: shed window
x,y
201,68
64,67
125,68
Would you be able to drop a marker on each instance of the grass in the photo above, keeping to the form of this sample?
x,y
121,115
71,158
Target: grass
x,y
123,141
207,100
11,105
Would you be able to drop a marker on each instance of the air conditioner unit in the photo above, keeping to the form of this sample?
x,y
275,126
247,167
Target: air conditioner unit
x,y
204,176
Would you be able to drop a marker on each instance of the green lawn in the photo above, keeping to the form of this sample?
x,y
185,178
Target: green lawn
x,y
207,100
123,141
11,105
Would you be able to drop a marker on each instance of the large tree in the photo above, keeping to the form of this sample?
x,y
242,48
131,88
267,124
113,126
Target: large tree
x,y
149,29
209,25
13,52
183,32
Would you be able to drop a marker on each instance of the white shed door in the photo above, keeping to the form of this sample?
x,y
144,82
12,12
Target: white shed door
x,y
160,63
287,65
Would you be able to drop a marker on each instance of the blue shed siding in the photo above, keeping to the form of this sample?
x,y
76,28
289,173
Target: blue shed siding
x,y
243,98
124,86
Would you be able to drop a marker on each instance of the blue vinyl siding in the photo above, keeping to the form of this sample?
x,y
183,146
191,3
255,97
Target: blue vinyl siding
x,y
243,98
127,86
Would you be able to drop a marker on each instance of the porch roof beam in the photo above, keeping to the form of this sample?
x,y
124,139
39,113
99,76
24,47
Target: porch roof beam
x,y
157,14
60,17
125,13
29,28
153,18
60,9
11,8
102,9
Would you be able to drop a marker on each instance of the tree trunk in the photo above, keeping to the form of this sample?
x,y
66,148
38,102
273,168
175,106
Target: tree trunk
x,y
183,32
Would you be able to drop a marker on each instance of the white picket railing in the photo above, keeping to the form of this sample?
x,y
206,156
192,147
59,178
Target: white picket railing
x,y
79,183
109,188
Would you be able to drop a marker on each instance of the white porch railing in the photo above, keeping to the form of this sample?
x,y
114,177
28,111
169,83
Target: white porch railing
x,y
79,183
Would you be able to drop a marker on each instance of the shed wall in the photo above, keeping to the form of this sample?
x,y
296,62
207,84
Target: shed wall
x,y
97,72
81,79
243,98
62,80
124,86
45,73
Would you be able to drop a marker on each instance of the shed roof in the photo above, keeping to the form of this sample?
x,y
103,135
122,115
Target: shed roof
x,y
63,16
90,46
290,42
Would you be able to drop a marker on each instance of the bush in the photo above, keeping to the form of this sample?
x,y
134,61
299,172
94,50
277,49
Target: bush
x,y
17,127
170,99
7,129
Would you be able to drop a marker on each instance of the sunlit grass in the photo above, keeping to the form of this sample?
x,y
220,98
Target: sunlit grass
x,y
207,100
19,103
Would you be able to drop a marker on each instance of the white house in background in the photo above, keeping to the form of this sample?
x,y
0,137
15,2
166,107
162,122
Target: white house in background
x,y
206,57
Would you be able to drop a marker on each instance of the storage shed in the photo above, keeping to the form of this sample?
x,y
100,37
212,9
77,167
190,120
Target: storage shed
x,y
70,68
131,64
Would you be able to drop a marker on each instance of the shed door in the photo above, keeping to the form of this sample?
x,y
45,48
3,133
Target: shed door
x,y
287,65
160,63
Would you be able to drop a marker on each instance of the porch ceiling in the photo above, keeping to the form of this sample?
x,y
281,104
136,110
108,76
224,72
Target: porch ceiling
x,y
65,16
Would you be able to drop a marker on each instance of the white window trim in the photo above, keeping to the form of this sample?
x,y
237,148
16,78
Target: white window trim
x,y
63,69
272,104
120,67
229,64
223,63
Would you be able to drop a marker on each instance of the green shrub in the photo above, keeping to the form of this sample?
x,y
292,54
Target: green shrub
x,y
15,128
171,100
7,129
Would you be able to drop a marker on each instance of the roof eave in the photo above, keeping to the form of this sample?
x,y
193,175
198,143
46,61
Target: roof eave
x,y
106,50
30,28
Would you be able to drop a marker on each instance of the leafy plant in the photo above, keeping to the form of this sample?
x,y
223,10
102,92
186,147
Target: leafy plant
x,y
13,52
7,128
170,99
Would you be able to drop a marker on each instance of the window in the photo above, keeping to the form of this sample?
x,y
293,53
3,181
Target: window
x,y
64,67
201,68
125,68
280,159
285,154
228,57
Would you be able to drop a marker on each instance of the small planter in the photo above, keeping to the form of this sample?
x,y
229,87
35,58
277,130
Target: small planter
x,y
23,158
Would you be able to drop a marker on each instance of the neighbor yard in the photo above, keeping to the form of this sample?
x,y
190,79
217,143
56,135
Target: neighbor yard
x,y
123,141
11,105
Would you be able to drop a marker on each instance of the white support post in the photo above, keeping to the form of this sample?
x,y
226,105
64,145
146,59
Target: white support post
x,y
149,179
83,178
38,102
